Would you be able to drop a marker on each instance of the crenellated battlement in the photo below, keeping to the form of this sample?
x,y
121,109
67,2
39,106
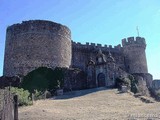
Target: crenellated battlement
x,y
88,46
38,26
41,43
133,40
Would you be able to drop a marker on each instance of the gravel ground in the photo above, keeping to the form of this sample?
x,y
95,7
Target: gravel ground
x,y
93,104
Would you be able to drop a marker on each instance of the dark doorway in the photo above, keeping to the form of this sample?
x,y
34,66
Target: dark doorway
x,y
101,80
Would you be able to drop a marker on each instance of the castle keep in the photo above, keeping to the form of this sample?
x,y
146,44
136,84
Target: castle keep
x,y
37,43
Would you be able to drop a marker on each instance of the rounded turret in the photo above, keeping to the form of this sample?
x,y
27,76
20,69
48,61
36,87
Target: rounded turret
x,y
36,43
135,56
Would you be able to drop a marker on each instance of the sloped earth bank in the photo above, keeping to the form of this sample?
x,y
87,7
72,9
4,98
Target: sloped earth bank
x,y
92,104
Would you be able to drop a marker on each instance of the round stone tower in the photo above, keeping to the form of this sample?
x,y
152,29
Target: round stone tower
x,y
34,44
135,56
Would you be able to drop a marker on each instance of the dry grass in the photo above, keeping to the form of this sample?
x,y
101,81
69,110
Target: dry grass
x,y
101,105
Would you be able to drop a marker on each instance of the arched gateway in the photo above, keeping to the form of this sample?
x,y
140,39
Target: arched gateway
x,y
101,79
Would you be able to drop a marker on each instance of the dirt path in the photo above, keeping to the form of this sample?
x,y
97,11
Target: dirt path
x,y
96,104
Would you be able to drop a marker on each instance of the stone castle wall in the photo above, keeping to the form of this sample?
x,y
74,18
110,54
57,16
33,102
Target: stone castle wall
x,y
135,56
81,53
36,43
131,57
156,84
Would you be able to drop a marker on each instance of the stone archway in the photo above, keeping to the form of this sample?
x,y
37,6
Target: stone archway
x,y
101,79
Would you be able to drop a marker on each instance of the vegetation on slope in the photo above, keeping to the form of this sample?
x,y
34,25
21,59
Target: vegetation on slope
x,y
128,81
43,79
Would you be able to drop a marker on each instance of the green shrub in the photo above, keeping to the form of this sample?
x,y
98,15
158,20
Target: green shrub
x,y
134,82
36,79
41,95
42,79
129,81
123,81
57,80
23,96
38,95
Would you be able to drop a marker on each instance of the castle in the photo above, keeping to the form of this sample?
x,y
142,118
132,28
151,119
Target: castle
x,y
37,43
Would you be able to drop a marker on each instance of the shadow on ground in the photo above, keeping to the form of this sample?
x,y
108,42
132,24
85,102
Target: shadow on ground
x,y
79,93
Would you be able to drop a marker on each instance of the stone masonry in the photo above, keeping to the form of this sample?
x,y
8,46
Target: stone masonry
x,y
37,43
33,44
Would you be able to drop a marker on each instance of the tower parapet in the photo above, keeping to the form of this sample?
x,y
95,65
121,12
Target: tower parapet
x,y
134,41
39,26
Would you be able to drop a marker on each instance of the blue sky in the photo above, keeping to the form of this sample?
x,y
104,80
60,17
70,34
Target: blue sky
x,y
98,21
